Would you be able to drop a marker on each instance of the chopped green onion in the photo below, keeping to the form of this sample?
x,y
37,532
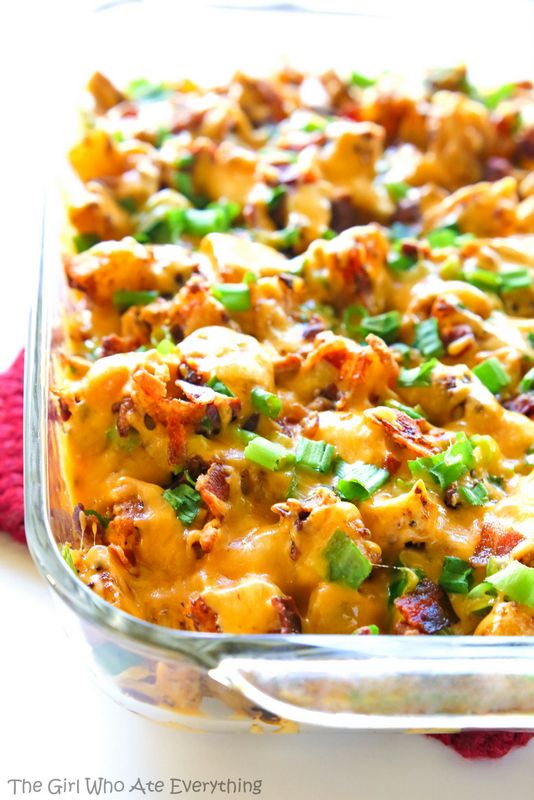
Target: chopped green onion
x,y
219,387
315,455
527,382
492,374
142,89
400,262
329,234
530,338
492,99
128,204
408,410
123,298
418,376
233,296
456,575
516,582
104,521
404,350
161,135
185,501
385,325
201,221
474,495
162,226
482,278
265,402
165,347
404,580
427,338
269,455
67,556
358,481
397,190
346,563
362,81
372,630
448,466
515,278
448,236
278,193
83,241
351,326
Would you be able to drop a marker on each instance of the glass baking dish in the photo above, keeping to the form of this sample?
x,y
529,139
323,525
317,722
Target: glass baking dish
x,y
217,681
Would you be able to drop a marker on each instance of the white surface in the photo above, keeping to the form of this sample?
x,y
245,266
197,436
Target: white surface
x,y
53,722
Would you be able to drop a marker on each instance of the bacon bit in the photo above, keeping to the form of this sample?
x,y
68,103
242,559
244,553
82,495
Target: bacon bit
x,y
404,431
113,344
495,540
522,404
177,439
202,616
289,363
344,214
64,410
496,168
190,375
311,329
214,488
294,551
124,408
427,608
290,621
408,212
391,463
458,339
123,532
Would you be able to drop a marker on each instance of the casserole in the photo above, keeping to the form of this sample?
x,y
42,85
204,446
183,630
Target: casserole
x,y
328,680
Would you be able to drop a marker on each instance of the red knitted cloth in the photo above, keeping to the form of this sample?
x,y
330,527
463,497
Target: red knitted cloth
x,y
469,744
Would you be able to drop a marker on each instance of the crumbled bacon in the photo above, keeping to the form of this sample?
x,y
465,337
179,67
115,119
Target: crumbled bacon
x,y
64,410
123,410
427,609
202,616
406,432
495,540
113,344
522,404
214,488
290,621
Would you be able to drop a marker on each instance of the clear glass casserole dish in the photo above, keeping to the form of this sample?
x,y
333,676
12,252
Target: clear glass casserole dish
x,y
219,681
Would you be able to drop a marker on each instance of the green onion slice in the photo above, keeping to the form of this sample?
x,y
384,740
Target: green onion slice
x,y
219,387
418,376
269,455
385,325
455,575
346,564
414,413
123,298
474,495
315,455
358,481
492,374
83,241
362,81
516,582
527,382
397,190
266,402
67,556
233,296
427,338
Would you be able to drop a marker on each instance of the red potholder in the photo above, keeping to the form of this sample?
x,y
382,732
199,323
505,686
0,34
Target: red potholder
x,y
469,744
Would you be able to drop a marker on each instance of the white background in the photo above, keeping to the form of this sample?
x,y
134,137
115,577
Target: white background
x,y
53,721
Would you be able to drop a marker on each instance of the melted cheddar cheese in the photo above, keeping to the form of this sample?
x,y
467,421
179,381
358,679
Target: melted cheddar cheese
x,y
297,392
